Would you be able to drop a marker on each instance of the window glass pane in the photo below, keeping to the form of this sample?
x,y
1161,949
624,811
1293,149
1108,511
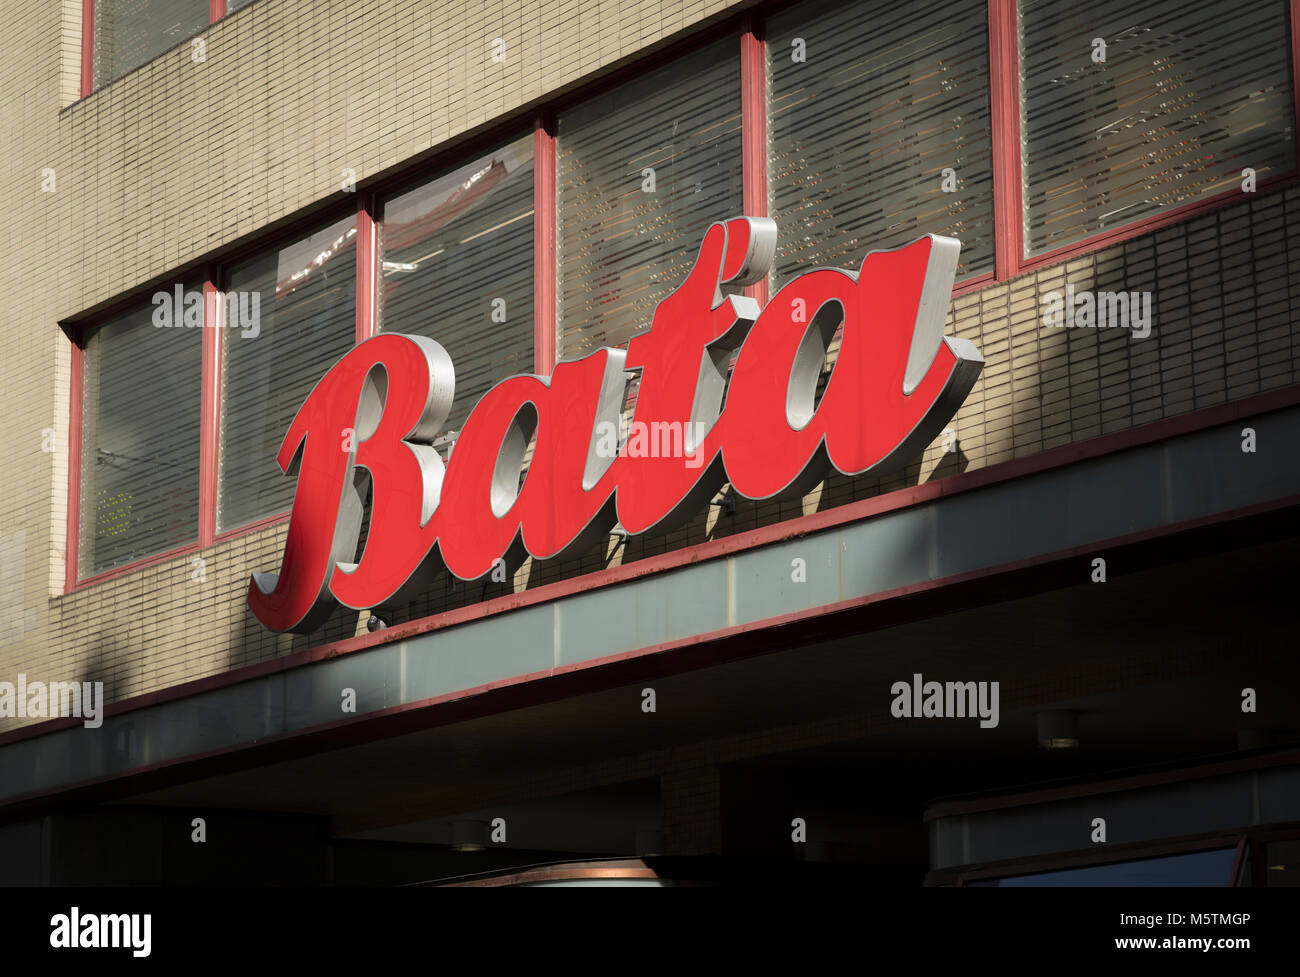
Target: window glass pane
x,y
291,316
1202,868
627,237
140,435
458,268
879,125
1190,93
129,33
233,5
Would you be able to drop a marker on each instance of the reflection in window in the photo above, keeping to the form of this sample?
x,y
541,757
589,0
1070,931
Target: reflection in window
x,y
140,434
458,267
1282,863
1202,868
879,129
1190,93
642,172
129,33
303,300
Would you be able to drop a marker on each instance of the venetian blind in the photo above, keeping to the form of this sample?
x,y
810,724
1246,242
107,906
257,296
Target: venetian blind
x,y
642,172
140,436
305,322
129,33
878,122
458,268
1190,93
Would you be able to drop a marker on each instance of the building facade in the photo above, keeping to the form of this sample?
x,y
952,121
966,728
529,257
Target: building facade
x,y
1048,643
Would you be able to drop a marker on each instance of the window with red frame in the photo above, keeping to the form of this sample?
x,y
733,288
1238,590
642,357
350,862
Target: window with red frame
x,y
290,316
642,171
879,131
1130,109
457,267
140,432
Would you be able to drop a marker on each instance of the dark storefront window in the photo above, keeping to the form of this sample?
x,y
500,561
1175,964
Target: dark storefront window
x,y
129,33
303,321
1190,93
457,266
879,131
642,172
1202,868
140,435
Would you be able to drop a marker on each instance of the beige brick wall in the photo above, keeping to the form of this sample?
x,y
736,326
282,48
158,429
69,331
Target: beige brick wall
x,y
178,160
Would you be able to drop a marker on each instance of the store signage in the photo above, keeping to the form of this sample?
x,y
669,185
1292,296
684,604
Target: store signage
x,y
372,419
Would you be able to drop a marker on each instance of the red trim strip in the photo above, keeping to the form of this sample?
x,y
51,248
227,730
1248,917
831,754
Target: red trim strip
x,y
753,115
210,437
903,498
77,406
216,10
544,237
1004,111
367,267
87,47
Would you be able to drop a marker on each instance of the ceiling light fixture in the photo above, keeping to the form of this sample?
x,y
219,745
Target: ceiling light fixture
x,y
1058,729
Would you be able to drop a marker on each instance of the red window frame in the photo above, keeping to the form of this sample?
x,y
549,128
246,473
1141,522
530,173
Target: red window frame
x,y
749,30
1008,163
216,10
80,335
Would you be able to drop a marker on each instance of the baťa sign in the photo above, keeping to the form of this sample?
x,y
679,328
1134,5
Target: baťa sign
x,y
896,382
